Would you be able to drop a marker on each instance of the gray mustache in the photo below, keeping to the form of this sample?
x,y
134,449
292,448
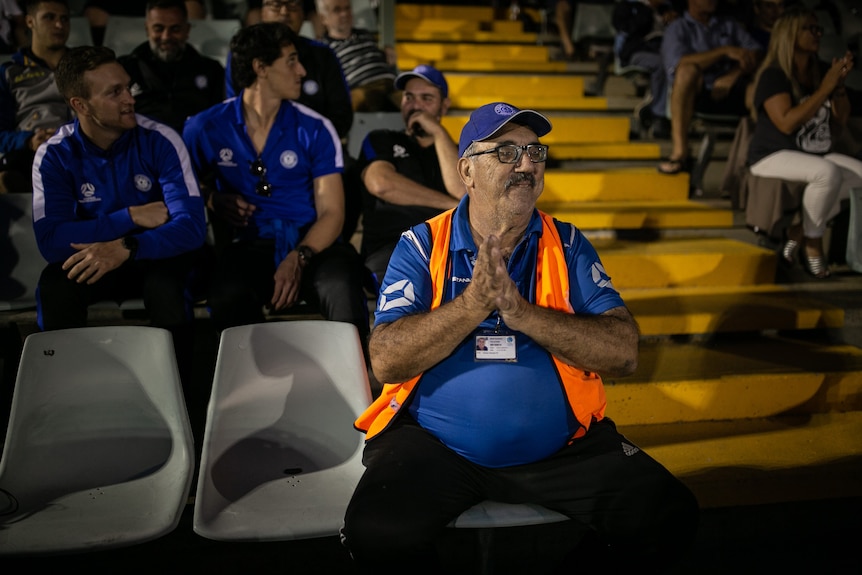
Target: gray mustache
x,y
519,178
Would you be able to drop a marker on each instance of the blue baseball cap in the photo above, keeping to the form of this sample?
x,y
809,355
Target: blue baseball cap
x,y
428,73
486,121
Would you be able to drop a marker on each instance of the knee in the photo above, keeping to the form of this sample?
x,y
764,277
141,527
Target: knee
x,y
827,175
686,78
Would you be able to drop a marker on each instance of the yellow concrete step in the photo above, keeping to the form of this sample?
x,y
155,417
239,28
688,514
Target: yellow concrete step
x,y
594,151
538,102
433,51
565,129
699,310
760,461
685,262
453,64
462,30
625,184
407,11
734,378
511,87
639,215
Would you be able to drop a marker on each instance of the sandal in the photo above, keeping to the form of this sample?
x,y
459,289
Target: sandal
x,y
672,166
816,266
788,252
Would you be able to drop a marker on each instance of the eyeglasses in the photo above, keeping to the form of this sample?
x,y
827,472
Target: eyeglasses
x,y
262,187
511,153
814,29
279,5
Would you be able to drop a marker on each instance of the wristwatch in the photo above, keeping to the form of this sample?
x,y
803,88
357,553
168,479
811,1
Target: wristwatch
x,y
131,244
305,254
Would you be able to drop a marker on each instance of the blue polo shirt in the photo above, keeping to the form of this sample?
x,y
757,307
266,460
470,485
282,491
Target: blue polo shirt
x,y
688,36
494,413
302,145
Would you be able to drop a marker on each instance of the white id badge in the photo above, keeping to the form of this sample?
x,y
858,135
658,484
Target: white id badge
x,y
496,347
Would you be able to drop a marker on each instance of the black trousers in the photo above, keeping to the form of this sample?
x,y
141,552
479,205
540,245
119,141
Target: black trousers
x,y
243,284
639,518
163,284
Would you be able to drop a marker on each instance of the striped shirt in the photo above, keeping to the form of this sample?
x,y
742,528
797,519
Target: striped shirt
x,y
362,61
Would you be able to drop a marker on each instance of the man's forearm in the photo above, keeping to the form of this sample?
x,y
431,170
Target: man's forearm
x,y
606,343
408,346
392,187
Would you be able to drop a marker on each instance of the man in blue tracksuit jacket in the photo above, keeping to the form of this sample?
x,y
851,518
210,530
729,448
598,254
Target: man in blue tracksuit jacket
x,y
116,208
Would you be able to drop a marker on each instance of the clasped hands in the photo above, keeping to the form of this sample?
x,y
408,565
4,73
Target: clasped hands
x,y
491,288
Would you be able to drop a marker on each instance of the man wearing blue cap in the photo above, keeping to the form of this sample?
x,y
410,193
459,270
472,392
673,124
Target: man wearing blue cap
x,y
523,420
408,175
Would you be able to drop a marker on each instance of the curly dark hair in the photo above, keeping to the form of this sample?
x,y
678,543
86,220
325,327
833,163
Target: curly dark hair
x,y
262,42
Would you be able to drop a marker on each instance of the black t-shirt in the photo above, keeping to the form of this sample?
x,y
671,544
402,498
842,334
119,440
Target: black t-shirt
x,y
382,222
813,137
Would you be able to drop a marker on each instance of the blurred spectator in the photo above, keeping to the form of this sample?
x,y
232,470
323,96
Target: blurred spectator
x,y
31,107
409,175
254,15
117,211
764,15
710,61
369,75
170,79
13,31
564,16
273,172
640,25
324,88
99,11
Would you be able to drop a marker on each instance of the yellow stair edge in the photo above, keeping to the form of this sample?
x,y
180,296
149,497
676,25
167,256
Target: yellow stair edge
x,y
761,461
466,51
447,64
506,86
478,36
731,308
569,130
624,184
573,103
743,377
742,396
612,151
638,214
409,11
677,262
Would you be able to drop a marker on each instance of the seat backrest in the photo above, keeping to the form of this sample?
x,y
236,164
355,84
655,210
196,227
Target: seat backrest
x,y
364,122
124,33
98,451
212,37
364,14
594,21
280,455
20,261
79,32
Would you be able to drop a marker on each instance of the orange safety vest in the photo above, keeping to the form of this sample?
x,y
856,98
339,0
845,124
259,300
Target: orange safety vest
x,y
584,390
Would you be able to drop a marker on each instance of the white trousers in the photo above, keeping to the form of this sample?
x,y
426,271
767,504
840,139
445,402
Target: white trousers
x,y
829,180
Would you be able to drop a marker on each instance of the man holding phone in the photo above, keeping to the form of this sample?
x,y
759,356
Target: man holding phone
x,y
409,175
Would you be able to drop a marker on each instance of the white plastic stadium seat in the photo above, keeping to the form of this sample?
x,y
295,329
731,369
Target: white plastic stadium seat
x,y
280,455
98,451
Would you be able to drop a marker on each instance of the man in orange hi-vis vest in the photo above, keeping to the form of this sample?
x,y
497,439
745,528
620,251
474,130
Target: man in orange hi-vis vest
x,y
519,418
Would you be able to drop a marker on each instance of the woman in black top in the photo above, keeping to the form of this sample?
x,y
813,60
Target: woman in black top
x,y
794,104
